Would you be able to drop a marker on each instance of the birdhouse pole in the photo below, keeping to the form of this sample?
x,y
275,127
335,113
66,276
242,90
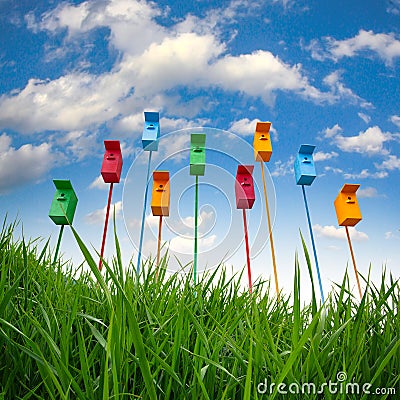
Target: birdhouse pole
x,y
305,173
150,137
111,173
271,239
354,261
246,239
197,167
62,209
159,244
160,202
58,243
146,190
348,214
245,198
196,223
103,241
262,153
313,244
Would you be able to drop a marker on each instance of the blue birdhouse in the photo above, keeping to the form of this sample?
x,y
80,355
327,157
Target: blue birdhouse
x,y
151,131
304,168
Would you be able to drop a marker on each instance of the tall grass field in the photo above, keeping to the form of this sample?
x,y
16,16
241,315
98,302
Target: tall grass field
x,y
116,335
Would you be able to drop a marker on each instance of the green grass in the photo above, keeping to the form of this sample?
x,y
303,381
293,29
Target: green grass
x,y
115,335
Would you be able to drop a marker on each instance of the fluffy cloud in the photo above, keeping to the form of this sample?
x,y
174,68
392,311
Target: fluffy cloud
x,y
385,45
391,163
331,232
184,245
33,163
339,91
98,183
369,142
283,168
321,156
70,103
366,118
364,174
98,216
245,127
367,192
189,54
396,120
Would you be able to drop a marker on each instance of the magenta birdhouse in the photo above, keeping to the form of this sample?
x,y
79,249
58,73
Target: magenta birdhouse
x,y
112,162
244,187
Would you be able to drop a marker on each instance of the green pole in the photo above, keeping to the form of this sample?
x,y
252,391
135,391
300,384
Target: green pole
x,y
58,243
196,208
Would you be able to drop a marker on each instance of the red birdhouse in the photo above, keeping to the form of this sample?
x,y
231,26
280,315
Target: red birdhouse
x,y
244,187
112,162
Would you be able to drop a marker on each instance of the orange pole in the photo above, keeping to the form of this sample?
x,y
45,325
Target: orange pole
x,y
354,260
159,245
270,231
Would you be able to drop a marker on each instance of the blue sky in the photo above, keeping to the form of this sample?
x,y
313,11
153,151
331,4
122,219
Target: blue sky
x,y
75,73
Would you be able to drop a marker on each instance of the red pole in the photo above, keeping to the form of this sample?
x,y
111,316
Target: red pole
x,y
246,239
105,226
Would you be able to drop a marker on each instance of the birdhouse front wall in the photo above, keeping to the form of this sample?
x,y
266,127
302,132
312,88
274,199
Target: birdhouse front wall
x,y
262,142
244,188
347,208
160,200
63,206
304,169
151,131
197,154
112,162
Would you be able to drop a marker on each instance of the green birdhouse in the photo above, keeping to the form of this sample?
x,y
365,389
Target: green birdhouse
x,y
197,153
64,203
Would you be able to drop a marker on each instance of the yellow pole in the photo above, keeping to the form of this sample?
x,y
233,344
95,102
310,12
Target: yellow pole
x,y
270,230
354,261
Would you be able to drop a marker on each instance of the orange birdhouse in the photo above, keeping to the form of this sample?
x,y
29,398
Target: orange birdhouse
x,y
262,142
346,205
161,196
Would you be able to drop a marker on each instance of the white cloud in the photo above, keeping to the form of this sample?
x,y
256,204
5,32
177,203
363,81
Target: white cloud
x,y
245,127
98,216
98,183
331,232
391,163
152,221
385,45
396,120
187,223
364,174
393,7
192,53
369,142
70,103
339,91
366,118
283,168
332,132
33,162
391,235
367,192
321,156
185,245
334,170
